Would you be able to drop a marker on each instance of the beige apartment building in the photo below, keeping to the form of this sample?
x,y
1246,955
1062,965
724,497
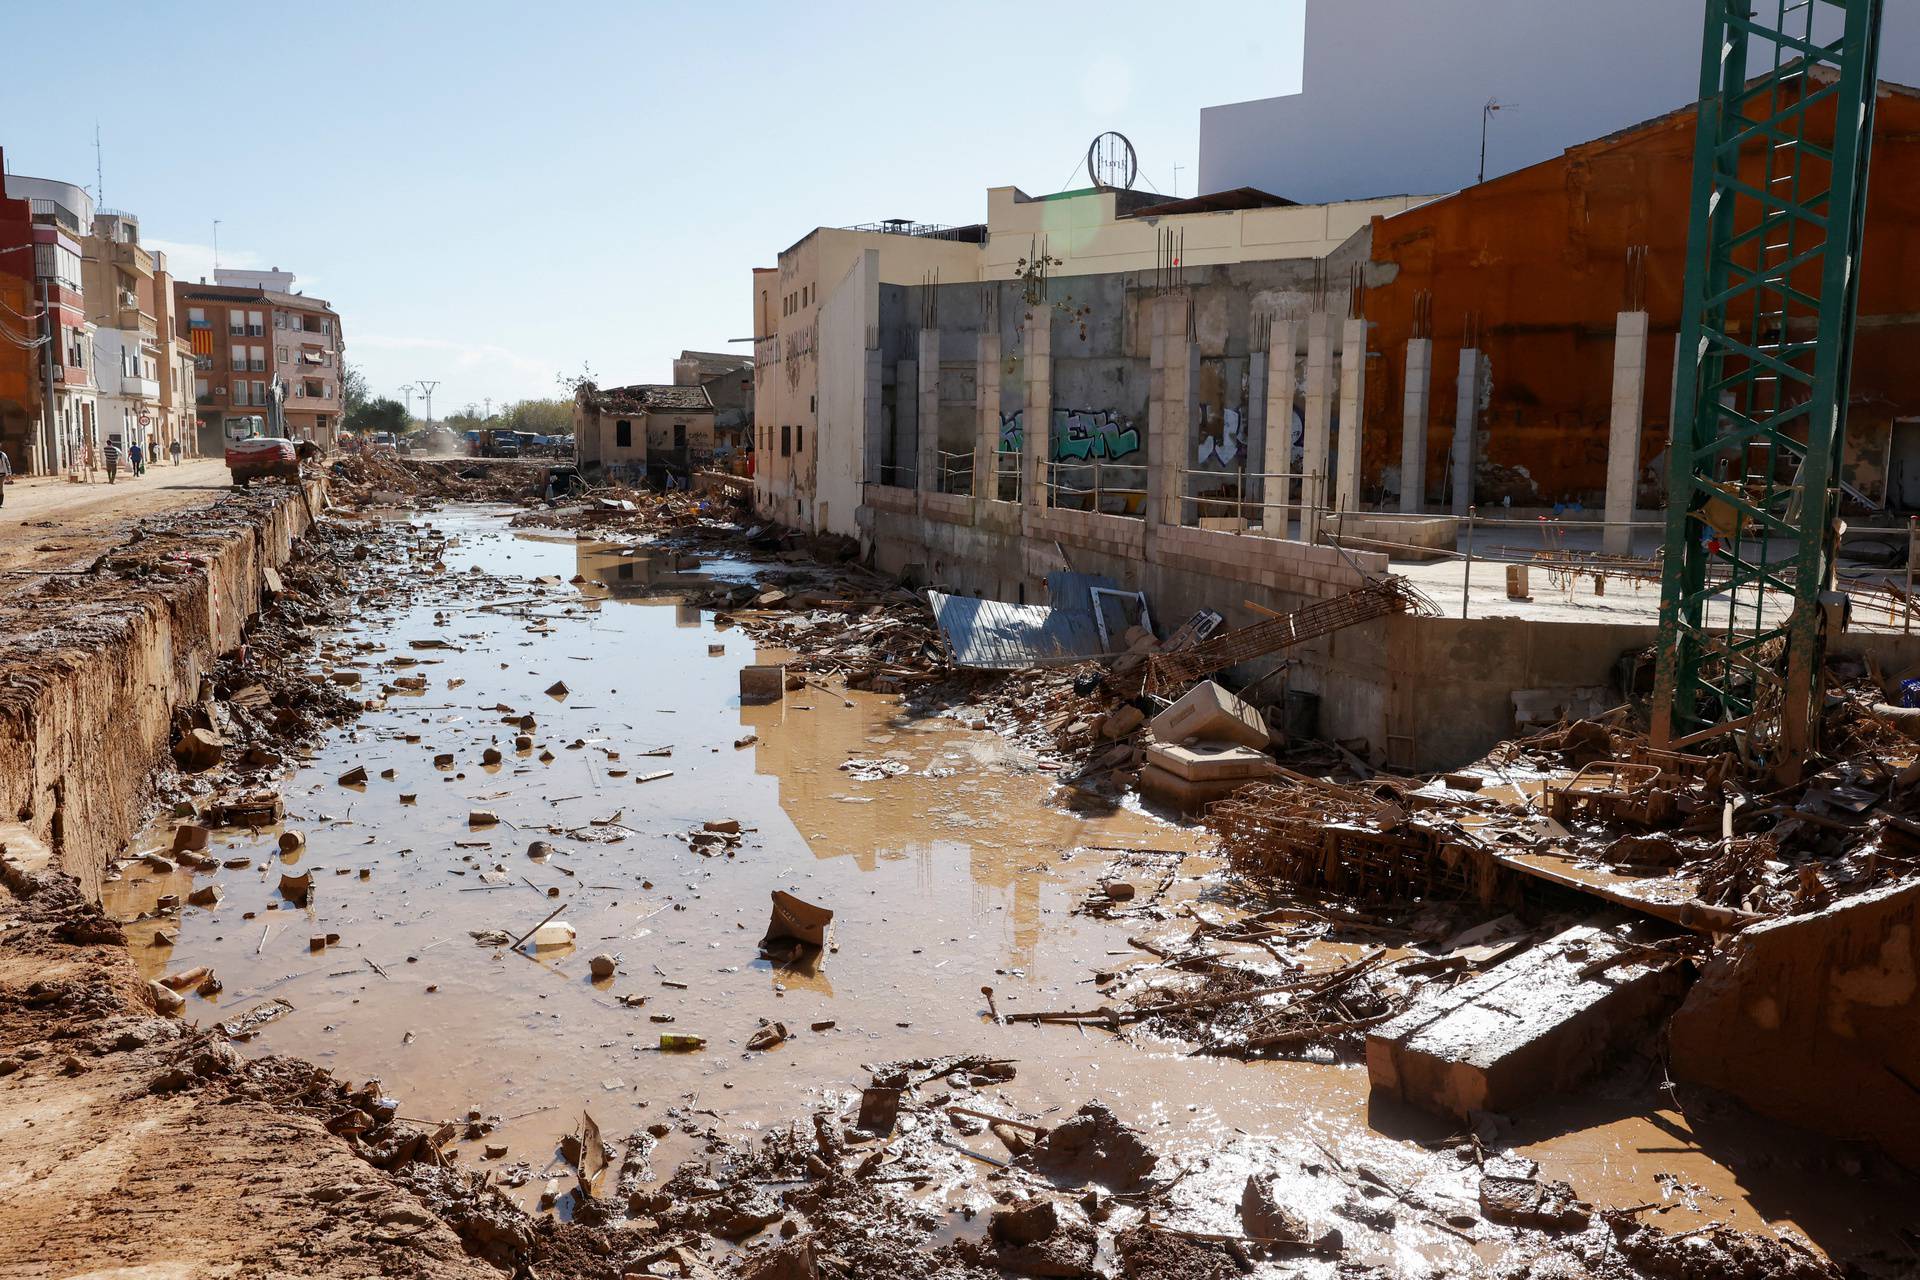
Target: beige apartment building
x,y
129,356
267,360
176,380
827,395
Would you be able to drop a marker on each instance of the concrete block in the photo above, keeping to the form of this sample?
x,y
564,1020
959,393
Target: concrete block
x,y
1211,761
1417,539
1209,712
1178,793
1525,1028
762,684
1815,1019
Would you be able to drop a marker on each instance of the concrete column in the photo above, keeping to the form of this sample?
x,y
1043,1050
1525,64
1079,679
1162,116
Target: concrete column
x,y
1353,408
1466,421
1036,413
1277,458
986,405
1319,418
1413,425
1172,398
906,431
928,462
1623,434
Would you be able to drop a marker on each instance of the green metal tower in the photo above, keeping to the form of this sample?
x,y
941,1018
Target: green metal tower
x,y
1766,338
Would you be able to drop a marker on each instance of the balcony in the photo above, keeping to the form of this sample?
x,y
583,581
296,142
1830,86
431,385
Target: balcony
x,y
139,388
132,257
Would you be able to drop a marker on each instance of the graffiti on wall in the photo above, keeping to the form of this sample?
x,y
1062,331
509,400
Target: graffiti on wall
x,y
1083,435
1221,439
1079,435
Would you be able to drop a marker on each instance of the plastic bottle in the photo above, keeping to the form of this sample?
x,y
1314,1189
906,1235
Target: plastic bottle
x,y
680,1042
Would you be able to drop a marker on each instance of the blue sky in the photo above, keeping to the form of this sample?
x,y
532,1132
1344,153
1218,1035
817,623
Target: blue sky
x,y
494,193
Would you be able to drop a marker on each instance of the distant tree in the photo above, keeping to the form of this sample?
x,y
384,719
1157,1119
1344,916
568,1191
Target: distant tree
x,y
377,415
465,420
353,390
541,417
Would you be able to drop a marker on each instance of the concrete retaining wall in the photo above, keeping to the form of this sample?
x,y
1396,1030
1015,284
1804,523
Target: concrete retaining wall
x,y
82,733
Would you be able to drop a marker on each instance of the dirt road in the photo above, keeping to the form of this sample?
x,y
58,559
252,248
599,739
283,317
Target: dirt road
x,y
50,523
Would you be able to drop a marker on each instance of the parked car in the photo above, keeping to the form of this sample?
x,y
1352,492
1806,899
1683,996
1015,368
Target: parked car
x,y
382,442
261,457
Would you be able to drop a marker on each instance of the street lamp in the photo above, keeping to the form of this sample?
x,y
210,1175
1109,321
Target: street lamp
x,y
1486,114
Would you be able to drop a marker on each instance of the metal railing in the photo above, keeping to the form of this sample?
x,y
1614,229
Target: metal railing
x,y
898,475
1238,500
1093,484
954,473
1009,482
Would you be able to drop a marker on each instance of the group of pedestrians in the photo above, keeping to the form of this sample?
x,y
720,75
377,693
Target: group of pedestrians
x,y
134,457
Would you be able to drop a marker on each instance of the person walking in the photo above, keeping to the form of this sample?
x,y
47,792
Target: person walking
x,y
137,458
6,474
112,456
175,448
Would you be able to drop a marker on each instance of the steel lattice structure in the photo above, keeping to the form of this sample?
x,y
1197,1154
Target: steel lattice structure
x,y
1779,197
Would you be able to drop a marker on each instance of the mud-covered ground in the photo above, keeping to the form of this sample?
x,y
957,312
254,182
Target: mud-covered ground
x,y
487,1108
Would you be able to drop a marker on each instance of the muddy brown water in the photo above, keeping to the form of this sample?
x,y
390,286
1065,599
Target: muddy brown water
x,y
959,868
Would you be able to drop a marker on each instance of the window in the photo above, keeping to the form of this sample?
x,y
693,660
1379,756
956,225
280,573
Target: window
x,y
260,393
279,319
196,317
76,348
199,388
203,363
239,393
679,435
280,354
810,405
239,357
797,430
623,434
311,388
237,323
259,359
786,441
256,324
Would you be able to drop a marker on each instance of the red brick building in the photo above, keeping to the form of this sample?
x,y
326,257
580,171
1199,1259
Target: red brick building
x,y
265,361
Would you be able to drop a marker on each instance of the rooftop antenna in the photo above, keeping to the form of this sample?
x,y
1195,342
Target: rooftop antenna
x,y
99,170
1176,180
216,247
1486,114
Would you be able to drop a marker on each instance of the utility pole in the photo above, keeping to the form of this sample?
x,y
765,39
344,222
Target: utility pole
x,y
406,389
216,249
426,389
489,401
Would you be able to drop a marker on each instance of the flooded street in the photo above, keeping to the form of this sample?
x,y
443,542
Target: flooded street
x,y
947,855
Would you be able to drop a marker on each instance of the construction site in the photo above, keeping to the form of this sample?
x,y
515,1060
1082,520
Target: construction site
x,y
1254,826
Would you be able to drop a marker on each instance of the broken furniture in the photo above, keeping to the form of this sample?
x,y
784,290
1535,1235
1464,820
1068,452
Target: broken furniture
x,y
1612,791
1209,711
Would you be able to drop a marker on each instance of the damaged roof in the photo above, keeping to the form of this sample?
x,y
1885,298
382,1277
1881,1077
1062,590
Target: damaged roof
x,y
643,396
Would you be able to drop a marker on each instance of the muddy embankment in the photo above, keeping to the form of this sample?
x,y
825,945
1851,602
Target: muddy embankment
x,y
131,1141
95,664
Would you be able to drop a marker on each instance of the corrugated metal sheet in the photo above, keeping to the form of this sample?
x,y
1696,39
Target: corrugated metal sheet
x,y
993,633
